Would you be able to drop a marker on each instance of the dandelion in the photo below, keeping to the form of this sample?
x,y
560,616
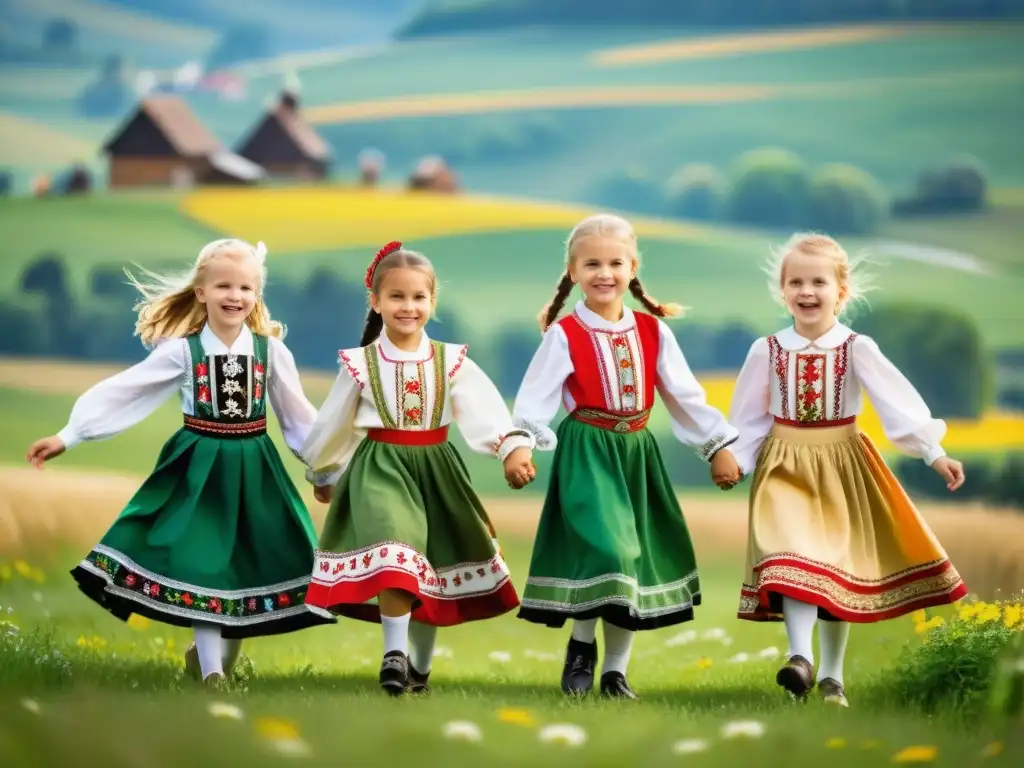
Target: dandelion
x,y
990,614
704,662
916,754
137,622
837,742
919,616
689,746
1011,616
992,749
514,716
563,733
224,711
740,658
502,656
748,729
462,730
31,705
283,736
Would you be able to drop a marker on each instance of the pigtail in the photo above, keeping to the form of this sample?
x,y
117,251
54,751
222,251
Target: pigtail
x,y
552,308
371,330
651,304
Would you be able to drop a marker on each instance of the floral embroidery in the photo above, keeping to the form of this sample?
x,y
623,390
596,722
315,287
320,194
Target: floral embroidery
x,y
810,389
161,596
231,367
412,417
410,395
257,391
412,387
625,372
202,373
780,358
231,387
840,363
258,371
231,408
203,396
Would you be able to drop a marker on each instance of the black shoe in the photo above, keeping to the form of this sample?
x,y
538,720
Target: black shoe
x,y
578,672
417,681
796,676
614,685
394,673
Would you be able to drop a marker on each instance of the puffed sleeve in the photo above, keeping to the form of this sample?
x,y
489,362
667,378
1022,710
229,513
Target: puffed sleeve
x,y
750,409
333,439
694,422
481,414
117,403
540,394
294,411
905,417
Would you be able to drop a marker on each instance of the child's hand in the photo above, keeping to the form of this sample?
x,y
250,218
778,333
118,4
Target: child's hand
x,y
323,493
952,471
43,450
725,472
519,468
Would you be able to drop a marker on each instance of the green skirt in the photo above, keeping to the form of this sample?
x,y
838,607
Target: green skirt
x,y
406,517
612,542
217,533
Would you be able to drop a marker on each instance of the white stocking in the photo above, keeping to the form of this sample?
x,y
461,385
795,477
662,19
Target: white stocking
x,y
800,618
832,637
209,647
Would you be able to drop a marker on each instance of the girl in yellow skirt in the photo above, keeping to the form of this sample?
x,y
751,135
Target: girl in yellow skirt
x,y
833,537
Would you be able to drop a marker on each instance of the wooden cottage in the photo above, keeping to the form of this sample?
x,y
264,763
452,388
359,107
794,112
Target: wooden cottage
x,y
285,144
162,143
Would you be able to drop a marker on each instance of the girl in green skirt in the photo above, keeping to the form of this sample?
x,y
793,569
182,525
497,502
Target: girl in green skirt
x,y
612,542
217,537
407,542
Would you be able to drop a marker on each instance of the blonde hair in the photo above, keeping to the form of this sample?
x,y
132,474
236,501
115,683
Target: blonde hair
x,y
613,227
853,282
169,307
403,257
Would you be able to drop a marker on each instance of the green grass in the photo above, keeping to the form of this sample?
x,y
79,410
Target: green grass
x,y
127,704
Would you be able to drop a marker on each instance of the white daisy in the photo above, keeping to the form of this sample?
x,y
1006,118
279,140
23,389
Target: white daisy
x,y
563,733
750,729
225,711
740,658
502,656
689,746
713,634
771,652
31,705
681,638
464,730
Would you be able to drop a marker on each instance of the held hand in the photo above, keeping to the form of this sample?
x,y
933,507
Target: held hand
x,y
952,471
323,493
43,450
519,468
725,472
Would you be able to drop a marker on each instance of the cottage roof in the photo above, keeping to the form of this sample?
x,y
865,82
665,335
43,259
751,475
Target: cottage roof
x,y
179,125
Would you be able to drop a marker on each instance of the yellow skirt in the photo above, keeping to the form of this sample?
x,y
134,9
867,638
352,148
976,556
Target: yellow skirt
x,y
831,526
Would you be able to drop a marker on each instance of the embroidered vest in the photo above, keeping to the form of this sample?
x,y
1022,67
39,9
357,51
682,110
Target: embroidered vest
x,y
413,409
229,390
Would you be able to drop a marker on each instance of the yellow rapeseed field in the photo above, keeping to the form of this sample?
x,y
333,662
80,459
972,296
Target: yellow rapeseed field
x,y
323,218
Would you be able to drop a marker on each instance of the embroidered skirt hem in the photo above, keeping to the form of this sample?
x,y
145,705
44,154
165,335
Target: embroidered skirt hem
x,y
831,526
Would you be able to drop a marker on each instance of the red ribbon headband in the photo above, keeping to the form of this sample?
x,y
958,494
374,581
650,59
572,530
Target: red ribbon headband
x,y
389,248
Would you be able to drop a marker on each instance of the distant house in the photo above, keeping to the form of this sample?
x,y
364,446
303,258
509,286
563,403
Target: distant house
x,y
285,144
163,144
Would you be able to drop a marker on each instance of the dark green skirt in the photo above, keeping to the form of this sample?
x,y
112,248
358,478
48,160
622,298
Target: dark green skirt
x,y
217,533
406,517
612,542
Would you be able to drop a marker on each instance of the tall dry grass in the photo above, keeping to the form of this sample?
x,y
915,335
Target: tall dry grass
x,y
45,512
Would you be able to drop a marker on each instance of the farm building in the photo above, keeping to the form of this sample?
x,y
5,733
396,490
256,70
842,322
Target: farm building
x,y
285,144
163,144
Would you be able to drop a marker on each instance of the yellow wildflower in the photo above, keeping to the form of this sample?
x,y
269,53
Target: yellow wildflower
x,y
836,743
1011,616
968,611
917,754
704,663
24,569
514,716
275,729
919,616
135,621
991,613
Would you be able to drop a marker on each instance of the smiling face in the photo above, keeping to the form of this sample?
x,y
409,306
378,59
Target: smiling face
x,y
405,302
229,287
812,292
603,267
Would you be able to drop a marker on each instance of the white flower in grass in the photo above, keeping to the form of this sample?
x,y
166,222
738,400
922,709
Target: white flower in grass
x,y
771,652
31,705
225,711
740,658
727,641
443,651
682,638
689,746
563,733
503,656
743,729
714,634
462,730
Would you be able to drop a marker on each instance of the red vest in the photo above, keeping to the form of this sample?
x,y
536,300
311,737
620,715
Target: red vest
x,y
592,381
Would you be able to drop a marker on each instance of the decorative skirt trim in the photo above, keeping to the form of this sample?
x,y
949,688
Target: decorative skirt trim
x,y
408,436
226,429
343,583
844,596
614,596
123,587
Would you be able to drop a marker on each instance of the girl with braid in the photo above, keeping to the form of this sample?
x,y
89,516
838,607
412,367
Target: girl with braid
x,y
407,542
612,543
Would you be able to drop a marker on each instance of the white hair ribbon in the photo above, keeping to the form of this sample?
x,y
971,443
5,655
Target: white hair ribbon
x,y
261,252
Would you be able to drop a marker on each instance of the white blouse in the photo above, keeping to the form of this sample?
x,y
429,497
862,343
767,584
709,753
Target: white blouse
x,y
694,422
403,395
113,405
794,379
